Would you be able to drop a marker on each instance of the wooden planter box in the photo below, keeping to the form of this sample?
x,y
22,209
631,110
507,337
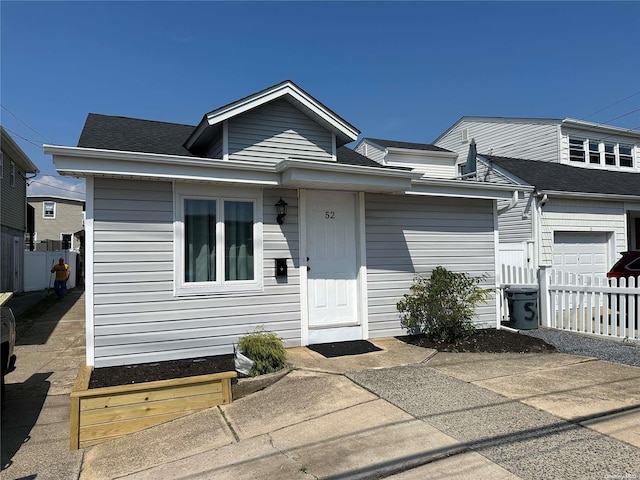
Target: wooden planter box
x,y
101,414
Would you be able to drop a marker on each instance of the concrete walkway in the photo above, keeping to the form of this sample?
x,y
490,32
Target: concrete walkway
x,y
403,413
35,414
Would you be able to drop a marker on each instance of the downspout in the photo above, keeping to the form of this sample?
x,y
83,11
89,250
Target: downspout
x,y
512,203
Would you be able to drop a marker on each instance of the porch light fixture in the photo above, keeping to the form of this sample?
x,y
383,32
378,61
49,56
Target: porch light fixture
x,y
281,207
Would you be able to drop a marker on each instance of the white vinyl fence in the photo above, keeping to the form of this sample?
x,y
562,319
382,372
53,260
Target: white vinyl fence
x,y
578,303
37,269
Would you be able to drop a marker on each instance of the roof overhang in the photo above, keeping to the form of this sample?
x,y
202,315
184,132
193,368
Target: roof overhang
x,y
606,197
15,152
290,173
597,127
465,188
345,132
421,153
333,176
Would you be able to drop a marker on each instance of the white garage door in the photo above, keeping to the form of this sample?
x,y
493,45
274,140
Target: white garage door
x,y
580,252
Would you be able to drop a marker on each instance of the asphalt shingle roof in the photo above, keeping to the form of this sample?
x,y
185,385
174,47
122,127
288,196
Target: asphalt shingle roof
x,y
566,178
409,145
147,136
134,135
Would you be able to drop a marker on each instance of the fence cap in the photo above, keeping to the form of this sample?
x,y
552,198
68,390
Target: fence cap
x,y
521,289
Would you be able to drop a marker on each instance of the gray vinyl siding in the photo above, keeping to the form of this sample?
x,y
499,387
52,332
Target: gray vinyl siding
x,y
582,215
407,235
533,141
216,148
372,151
136,315
13,211
276,131
514,225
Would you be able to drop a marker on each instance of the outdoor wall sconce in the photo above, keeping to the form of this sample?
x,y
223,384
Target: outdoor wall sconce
x,y
281,207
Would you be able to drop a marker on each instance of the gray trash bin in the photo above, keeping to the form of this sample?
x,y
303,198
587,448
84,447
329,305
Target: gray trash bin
x,y
523,307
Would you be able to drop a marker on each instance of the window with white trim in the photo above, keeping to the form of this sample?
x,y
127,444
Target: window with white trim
x,y
218,243
48,209
607,154
13,174
576,149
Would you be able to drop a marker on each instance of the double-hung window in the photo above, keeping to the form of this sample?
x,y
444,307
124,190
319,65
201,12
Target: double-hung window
x,y
626,156
609,154
218,241
576,149
48,209
594,152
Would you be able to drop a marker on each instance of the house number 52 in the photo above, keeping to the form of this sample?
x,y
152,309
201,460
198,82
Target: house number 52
x,y
330,215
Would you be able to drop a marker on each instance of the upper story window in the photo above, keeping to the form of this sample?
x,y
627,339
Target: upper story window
x,y
49,210
609,154
1,165
13,174
576,149
626,158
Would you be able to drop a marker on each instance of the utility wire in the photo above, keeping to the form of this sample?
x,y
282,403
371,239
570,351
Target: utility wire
x,y
15,134
623,115
53,186
613,104
25,124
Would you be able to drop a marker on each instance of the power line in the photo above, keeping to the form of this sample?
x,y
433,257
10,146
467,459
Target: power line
x,y
623,115
15,134
25,124
613,104
53,186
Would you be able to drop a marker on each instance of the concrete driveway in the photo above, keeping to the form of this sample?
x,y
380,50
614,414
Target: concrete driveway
x,y
404,413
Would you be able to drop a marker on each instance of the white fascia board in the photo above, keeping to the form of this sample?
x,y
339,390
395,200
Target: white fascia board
x,y
278,92
421,153
351,181
605,197
84,162
598,127
346,168
465,188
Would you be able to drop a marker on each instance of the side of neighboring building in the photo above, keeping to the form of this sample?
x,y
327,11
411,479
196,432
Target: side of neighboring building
x,y
57,219
15,166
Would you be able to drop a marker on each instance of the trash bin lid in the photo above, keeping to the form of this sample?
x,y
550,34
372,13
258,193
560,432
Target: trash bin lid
x,y
531,289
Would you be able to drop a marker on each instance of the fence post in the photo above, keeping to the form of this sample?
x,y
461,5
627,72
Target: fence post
x,y
543,310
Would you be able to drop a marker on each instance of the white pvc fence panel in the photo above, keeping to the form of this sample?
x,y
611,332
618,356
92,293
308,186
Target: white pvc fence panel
x,y
592,305
579,303
37,269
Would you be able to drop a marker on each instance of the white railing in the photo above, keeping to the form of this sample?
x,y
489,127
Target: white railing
x,y
579,303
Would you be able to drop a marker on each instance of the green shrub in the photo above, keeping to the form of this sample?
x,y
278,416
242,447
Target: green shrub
x,y
265,349
443,305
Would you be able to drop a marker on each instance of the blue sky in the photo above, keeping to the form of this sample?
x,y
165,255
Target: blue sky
x,y
403,71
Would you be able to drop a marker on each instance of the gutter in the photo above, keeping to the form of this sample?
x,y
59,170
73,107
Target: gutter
x,y
590,195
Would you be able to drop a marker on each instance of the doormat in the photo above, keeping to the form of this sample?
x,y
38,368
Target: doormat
x,y
340,349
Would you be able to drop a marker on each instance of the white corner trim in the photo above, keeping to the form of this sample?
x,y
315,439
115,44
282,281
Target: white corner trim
x,y
302,261
225,141
334,153
89,273
363,306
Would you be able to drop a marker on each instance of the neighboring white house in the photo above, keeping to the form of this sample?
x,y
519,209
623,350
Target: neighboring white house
x,y
585,209
186,250
430,160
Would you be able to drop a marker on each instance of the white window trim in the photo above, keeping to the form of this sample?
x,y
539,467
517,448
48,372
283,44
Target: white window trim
x,y
13,174
219,194
602,153
44,210
71,243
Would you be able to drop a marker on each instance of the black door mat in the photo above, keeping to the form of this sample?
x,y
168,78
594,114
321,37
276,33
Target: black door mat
x,y
340,349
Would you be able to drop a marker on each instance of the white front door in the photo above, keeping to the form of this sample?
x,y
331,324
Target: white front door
x,y
332,283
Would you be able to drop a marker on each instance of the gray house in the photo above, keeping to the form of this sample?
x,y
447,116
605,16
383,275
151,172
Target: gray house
x,y
259,216
584,208
58,222
14,168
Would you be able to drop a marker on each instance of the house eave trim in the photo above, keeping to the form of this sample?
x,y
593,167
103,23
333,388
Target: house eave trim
x,y
589,196
421,153
465,188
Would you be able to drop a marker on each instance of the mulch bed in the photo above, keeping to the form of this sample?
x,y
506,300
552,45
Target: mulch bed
x,y
488,341
149,372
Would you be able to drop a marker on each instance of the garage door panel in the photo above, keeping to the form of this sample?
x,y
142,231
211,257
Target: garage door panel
x,y
581,252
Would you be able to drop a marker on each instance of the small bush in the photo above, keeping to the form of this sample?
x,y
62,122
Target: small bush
x,y
442,306
265,349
